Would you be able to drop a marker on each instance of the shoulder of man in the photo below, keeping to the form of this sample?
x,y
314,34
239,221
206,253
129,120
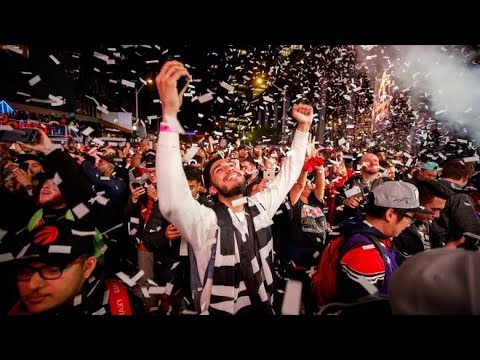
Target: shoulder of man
x,y
362,257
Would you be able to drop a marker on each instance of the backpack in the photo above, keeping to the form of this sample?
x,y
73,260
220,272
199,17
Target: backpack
x,y
325,283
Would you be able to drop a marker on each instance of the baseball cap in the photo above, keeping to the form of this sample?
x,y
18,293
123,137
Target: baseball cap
x,y
431,165
437,282
398,195
27,156
61,243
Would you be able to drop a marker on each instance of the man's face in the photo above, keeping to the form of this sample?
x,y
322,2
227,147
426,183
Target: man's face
x,y
40,295
194,186
50,195
151,175
223,143
226,178
34,167
248,168
400,223
105,167
427,175
436,205
370,164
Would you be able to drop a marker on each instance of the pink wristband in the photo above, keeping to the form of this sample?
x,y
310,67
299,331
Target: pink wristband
x,y
165,127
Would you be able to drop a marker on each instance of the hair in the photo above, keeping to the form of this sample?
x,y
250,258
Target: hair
x,y
206,170
192,173
456,169
386,163
430,189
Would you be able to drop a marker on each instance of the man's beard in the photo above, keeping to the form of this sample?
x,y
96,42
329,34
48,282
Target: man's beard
x,y
236,190
54,202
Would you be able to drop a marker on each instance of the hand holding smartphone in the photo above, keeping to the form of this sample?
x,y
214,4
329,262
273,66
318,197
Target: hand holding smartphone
x,y
27,135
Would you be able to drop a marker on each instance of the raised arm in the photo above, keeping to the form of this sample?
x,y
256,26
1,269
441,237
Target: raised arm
x,y
273,195
196,222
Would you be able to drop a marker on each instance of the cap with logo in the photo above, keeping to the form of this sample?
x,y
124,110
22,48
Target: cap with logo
x,y
399,195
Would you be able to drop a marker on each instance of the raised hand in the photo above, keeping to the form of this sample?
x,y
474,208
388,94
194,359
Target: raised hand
x,y
303,114
43,145
166,82
310,153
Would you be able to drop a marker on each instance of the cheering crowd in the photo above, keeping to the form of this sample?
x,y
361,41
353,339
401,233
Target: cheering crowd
x,y
175,228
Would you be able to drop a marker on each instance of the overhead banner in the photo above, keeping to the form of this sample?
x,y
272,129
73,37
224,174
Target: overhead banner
x,y
381,101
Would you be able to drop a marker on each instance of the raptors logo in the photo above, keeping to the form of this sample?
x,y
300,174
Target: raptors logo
x,y
47,235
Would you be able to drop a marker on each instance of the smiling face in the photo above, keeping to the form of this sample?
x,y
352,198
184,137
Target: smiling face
x,y
436,205
226,179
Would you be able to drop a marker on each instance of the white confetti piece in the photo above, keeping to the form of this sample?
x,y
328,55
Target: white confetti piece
x,y
105,297
238,202
168,288
100,311
34,80
156,290
80,210
23,251
471,159
125,278
103,110
100,56
145,292
54,59
77,300
175,265
23,94
57,179
204,98
82,233
6,257
183,251
2,234
227,86
87,131
137,276
59,249
292,298
128,83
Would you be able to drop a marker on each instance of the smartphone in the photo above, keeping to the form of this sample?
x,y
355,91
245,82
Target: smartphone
x,y
23,135
136,185
181,83
269,174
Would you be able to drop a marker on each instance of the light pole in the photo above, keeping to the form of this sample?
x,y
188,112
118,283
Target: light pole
x,y
149,81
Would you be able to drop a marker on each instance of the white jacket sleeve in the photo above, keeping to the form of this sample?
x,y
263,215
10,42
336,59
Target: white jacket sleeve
x,y
196,222
273,196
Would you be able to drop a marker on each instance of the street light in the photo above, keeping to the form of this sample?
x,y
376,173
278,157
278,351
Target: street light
x,y
149,81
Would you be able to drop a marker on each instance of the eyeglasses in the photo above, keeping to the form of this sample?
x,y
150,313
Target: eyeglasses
x,y
409,217
46,272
